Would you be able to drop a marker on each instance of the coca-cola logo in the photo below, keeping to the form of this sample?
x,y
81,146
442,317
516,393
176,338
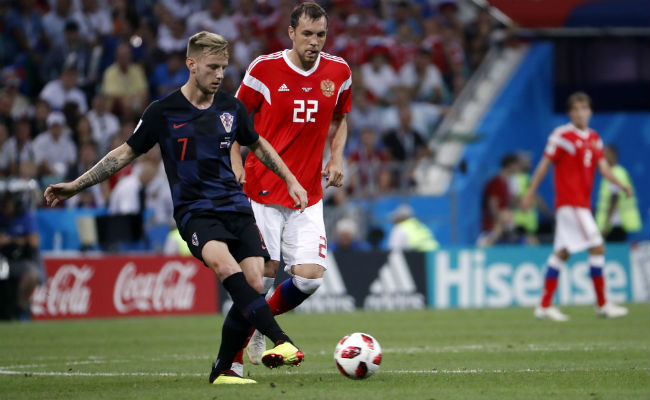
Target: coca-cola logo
x,y
170,289
66,293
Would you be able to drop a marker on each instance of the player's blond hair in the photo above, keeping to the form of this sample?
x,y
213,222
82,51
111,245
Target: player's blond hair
x,y
206,43
578,97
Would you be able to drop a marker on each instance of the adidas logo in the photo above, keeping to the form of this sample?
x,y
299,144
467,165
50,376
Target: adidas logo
x,y
283,88
394,288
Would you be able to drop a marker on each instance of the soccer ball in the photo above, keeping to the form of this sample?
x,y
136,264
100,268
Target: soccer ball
x,y
358,355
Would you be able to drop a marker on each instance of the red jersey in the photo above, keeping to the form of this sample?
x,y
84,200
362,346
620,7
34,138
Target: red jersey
x,y
575,155
293,111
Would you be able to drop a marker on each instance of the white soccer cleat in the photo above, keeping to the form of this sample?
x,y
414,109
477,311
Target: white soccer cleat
x,y
256,347
551,313
611,310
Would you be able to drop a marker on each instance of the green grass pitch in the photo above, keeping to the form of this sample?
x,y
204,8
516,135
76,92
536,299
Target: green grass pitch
x,y
451,354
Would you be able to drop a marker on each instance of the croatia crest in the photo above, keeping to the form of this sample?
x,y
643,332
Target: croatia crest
x,y
226,120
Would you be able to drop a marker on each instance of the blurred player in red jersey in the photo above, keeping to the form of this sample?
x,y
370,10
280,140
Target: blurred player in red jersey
x,y
297,97
575,151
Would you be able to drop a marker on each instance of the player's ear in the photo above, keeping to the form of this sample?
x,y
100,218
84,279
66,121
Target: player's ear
x,y
292,33
190,63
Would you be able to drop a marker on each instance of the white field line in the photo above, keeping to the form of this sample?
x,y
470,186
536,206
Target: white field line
x,y
329,372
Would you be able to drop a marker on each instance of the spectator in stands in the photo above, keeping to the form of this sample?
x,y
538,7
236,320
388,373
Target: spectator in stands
x,y
25,28
422,78
54,151
129,195
617,214
477,37
366,161
214,19
404,143
103,123
172,35
124,84
94,22
17,149
4,160
63,90
409,233
497,205
19,244
39,123
347,237
363,114
379,78
245,49
351,45
182,8
403,47
169,75
55,20
402,14
82,132
94,196
71,52
18,103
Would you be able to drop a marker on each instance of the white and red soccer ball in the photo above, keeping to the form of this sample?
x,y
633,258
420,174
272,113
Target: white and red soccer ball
x,y
358,355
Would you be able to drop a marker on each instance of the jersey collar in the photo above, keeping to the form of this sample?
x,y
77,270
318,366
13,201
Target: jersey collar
x,y
582,133
285,56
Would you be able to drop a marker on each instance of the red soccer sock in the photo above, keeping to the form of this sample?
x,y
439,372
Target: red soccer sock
x,y
278,304
550,284
599,287
239,358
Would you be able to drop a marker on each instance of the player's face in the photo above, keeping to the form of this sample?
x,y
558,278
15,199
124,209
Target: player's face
x,y
580,114
308,38
208,70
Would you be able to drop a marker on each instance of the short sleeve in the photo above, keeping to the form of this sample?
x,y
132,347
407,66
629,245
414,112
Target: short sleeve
x,y
344,100
554,149
253,92
146,133
246,134
598,149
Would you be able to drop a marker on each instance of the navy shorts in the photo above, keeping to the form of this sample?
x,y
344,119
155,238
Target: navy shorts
x,y
238,230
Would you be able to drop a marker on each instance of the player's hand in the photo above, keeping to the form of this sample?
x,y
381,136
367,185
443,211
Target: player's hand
x,y
298,194
54,194
334,173
240,173
628,190
527,201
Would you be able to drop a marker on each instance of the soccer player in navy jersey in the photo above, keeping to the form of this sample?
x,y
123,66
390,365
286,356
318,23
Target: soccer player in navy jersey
x,y
195,127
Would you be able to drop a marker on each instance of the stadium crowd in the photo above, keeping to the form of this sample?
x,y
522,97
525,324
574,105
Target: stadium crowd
x,y
76,76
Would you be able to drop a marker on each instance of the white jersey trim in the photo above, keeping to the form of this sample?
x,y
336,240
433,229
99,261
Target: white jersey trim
x,y
345,86
256,85
556,139
285,56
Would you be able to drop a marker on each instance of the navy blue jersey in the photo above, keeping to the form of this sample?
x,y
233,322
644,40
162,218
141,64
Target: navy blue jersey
x,y
195,146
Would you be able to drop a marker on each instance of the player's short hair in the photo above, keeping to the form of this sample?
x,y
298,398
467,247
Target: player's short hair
x,y
508,160
206,41
311,10
578,97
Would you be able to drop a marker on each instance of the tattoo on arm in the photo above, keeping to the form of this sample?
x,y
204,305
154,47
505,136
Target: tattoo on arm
x,y
269,161
100,172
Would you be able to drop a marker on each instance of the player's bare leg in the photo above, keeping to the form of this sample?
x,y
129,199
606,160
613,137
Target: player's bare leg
x,y
556,262
604,308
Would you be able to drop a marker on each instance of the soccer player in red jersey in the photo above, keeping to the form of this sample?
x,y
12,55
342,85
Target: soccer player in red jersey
x,y
575,151
298,97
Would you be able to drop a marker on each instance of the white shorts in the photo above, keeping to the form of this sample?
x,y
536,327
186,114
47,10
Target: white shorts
x,y
575,230
298,237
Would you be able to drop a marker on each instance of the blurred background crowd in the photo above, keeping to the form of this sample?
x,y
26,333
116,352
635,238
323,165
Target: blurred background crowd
x,y
77,74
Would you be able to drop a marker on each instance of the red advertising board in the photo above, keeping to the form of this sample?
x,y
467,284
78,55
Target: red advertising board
x,y
113,286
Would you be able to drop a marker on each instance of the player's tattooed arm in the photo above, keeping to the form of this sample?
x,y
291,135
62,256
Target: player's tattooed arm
x,y
104,169
270,158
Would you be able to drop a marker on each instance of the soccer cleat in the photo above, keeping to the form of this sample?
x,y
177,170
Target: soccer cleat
x,y
551,313
256,347
611,310
229,377
284,353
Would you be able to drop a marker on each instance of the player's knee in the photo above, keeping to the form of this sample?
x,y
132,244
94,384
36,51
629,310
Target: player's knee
x,y
219,265
307,285
271,268
598,250
255,283
563,254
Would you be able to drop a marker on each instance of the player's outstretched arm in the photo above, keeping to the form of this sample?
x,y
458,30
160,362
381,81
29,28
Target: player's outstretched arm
x,y
606,171
104,169
538,176
334,168
270,158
